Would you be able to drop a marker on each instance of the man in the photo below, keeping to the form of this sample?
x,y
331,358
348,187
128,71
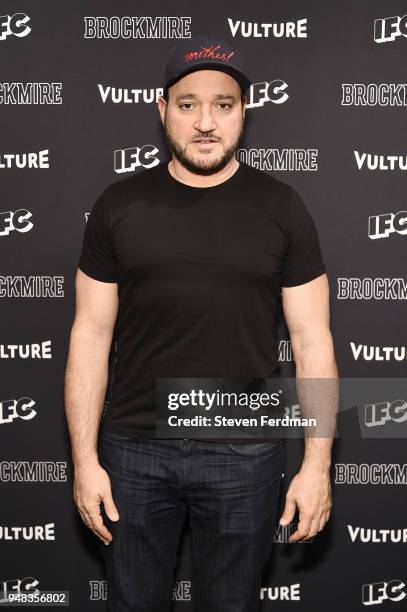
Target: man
x,y
186,265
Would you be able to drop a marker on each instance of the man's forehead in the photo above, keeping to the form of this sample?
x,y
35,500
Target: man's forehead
x,y
217,82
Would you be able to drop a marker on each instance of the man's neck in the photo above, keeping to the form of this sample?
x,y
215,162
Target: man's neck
x,y
181,174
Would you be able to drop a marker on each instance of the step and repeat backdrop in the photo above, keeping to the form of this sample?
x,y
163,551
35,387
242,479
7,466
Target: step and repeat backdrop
x,y
79,84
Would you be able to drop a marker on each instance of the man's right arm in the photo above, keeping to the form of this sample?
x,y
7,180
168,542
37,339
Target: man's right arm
x,y
86,380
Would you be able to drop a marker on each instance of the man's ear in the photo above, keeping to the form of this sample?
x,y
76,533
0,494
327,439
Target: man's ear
x,y
161,103
244,102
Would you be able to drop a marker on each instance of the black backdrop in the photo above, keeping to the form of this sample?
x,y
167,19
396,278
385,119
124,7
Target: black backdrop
x,y
310,114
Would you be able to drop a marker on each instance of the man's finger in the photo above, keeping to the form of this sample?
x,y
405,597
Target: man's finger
x,y
84,519
289,511
298,535
302,529
110,507
88,522
314,528
322,522
99,527
85,516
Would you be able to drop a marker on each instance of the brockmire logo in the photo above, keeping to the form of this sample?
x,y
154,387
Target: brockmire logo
x,y
206,52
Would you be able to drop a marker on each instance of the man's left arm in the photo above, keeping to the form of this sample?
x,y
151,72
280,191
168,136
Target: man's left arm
x,y
306,311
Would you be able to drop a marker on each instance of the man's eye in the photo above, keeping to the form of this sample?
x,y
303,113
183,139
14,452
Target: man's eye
x,y
223,104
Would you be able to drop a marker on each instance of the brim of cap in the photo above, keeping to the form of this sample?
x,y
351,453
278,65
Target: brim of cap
x,y
243,81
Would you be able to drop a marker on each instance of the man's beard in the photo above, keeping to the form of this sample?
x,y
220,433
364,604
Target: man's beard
x,y
202,167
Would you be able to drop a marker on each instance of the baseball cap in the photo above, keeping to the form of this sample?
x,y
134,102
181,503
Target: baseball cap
x,y
205,53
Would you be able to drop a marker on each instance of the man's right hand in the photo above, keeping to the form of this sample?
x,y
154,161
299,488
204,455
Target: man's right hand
x,y
91,488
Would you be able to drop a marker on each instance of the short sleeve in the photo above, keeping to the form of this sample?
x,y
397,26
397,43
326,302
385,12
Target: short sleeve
x,y
303,260
96,258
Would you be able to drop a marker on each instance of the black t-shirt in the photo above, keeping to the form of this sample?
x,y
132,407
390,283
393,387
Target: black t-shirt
x,y
199,273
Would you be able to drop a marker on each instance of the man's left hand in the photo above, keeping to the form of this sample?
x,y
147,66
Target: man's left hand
x,y
310,492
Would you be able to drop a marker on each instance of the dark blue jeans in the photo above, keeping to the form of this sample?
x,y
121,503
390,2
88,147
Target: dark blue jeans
x,y
229,494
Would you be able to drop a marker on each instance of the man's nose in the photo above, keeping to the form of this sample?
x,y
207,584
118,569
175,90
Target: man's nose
x,y
205,122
